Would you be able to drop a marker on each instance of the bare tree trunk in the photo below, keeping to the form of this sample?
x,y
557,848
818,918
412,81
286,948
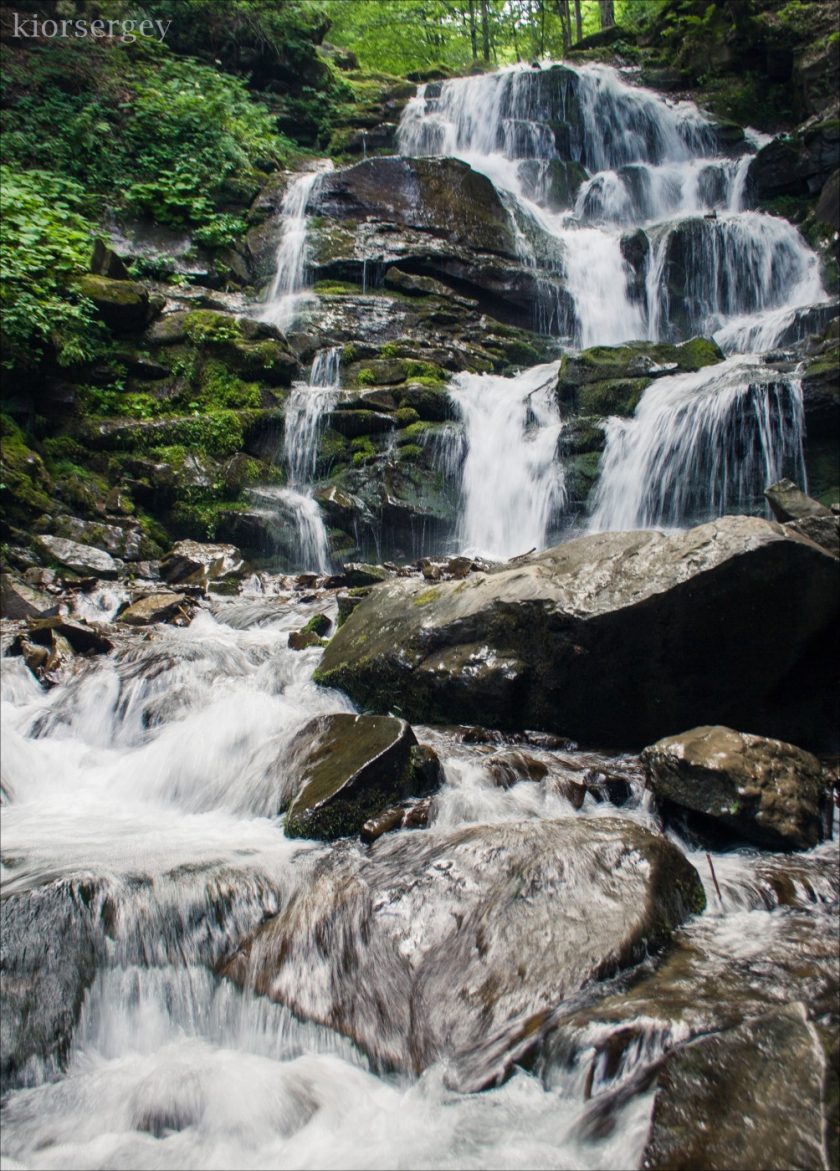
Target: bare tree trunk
x,y
578,21
565,23
485,31
473,32
607,13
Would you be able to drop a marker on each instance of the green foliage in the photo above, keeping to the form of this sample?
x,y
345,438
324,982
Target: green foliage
x,y
140,127
45,241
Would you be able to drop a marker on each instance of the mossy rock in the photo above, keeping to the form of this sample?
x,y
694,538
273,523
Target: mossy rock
x,y
124,306
617,396
582,436
432,403
361,422
26,486
353,767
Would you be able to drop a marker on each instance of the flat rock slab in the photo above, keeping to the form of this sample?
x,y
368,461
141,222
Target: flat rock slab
x,y
430,941
197,563
153,608
745,1098
350,768
764,790
83,559
614,639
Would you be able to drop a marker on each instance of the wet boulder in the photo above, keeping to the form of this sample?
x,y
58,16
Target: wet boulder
x,y
20,600
81,559
197,563
157,607
789,502
743,1098
349,768
797,165
447,936
442,196
764,790
732,622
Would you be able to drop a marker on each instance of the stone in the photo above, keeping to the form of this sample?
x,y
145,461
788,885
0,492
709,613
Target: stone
x,y
158,607
83,638
796,165
19,600
124,305
352,767
118,540
743,1098
827,210
198,563
105,262
415,286
356,574
822,530
731,622
608,380
81,559
763,790
442,196
789,502
456,935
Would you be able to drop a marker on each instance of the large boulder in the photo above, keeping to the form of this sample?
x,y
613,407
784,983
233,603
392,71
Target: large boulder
x,y
796,165
442,196
82,559
20,600
124,306
789,502
744,1098
764,790
446,937
732,622
349,768
157,607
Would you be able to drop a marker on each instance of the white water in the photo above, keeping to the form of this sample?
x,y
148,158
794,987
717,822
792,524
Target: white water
x,y
739,275
701,445
512,483
288,295
143,800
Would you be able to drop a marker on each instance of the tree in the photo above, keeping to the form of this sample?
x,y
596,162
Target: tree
x,y
578,21
607,13
485,30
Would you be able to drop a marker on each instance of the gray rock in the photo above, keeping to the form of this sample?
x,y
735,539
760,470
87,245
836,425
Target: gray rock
x,y
822,530
197,563
19,600
153,608
767,791
350,768
789,502
441,938
704,626
744,1098
82,559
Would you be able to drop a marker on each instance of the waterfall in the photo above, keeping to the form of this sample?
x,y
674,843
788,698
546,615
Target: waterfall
x,y
649,164
293,508
512,484
287,295
701,445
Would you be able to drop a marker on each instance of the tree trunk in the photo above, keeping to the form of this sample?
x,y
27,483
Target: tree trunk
x,y
607,13
578,21
565,23
473,32
485,31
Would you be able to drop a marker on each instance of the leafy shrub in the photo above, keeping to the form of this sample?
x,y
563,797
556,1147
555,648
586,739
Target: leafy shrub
x,y
45,241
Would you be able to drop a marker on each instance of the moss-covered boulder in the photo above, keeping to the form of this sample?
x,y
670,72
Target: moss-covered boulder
x,y
352,767
124,306
763,790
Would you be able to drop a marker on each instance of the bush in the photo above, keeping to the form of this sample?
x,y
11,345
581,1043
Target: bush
x,y
45,241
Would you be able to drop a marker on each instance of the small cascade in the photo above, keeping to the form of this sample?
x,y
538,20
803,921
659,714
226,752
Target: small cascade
x,y
701,445
306,409
512,483
287,295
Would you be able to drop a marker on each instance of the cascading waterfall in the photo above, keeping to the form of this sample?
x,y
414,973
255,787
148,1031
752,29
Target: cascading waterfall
x,y
306,408
701,445
512,483
662,191
288,296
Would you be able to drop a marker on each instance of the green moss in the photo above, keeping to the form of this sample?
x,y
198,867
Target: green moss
x,y
336,289
406,416
427,597
410,452
619,396
218,387
365,377
25,485
318,624
426,373
204,325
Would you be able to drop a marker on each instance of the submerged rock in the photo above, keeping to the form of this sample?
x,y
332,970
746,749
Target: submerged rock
x,y
731,622
744,1098
764,790
350,769
438,939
